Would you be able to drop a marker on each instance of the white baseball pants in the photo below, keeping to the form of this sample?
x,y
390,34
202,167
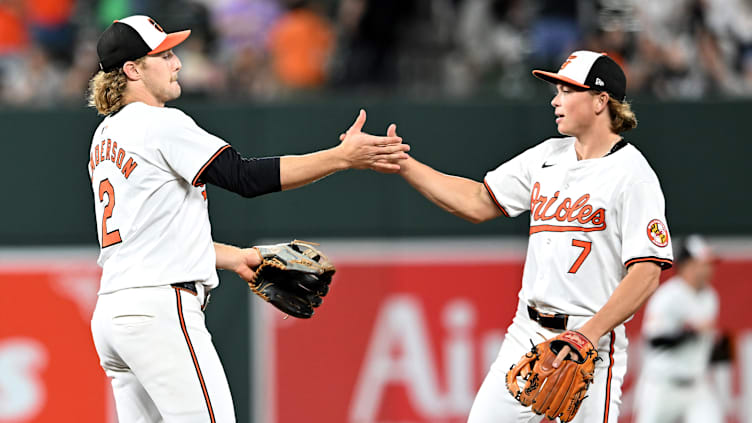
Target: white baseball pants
x,y
658,400
494,403
153,343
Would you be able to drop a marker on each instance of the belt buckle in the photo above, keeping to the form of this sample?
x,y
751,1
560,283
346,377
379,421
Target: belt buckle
x,y
547,316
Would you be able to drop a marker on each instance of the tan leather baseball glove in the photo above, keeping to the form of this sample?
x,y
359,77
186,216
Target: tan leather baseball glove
x,y
555,392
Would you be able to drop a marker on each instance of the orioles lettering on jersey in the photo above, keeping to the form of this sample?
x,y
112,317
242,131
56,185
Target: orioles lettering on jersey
x,y
568,211
107,150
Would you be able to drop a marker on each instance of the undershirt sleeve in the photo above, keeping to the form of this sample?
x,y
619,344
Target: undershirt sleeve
x,y
248,177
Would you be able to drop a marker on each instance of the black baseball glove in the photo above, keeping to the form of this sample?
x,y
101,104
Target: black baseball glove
x,y
293,277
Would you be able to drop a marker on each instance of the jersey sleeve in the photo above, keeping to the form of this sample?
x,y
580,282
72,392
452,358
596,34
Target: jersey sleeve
x,y
186,147
510,184
645,235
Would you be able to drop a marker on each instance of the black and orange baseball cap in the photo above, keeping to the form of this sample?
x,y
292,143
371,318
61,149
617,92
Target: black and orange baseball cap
x,y
133,37
589,70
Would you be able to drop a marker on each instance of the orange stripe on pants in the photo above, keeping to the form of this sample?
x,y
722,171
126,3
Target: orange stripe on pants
x,y
193,355
608,378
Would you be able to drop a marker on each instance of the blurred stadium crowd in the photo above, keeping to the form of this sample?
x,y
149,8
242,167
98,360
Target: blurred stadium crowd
x,y
271,49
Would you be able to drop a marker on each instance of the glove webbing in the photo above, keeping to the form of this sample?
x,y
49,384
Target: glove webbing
x,y
256,288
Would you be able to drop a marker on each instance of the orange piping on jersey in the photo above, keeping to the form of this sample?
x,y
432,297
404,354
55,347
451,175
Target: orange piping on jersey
x,y
193,355
607,406
493,197
664,263
129,166
554,228
208,162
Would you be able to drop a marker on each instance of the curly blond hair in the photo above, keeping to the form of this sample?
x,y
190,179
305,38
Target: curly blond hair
x,y
106,90
622,117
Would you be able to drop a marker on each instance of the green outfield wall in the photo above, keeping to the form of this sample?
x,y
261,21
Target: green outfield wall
x,y
700,151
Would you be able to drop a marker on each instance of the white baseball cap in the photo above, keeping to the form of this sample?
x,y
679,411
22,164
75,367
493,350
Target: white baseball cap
x,y
590,70
133,37
694,247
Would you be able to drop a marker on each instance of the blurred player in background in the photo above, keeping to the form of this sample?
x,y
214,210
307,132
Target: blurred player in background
x,y
148,166
679,326
598,237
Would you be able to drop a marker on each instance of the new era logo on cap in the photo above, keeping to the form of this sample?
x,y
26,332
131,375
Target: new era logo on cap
x,y
133,37
590,70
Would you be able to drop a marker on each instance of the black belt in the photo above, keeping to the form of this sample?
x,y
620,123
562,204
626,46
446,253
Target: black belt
x,y
191,287
551,321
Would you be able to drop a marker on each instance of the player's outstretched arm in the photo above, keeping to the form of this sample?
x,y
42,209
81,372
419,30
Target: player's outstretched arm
x,y
242,261
460,196
631,293
358,150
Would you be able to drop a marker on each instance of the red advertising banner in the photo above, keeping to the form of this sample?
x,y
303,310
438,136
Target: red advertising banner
x,y
406,338
48,365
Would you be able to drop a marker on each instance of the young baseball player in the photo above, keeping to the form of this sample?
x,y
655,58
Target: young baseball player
x,y
148,166
678,331
598,235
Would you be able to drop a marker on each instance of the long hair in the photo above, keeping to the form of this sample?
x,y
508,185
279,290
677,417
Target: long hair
x,y
106,90
622,117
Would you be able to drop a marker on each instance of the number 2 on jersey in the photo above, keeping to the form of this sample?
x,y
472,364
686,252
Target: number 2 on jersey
x,y
108,238
586,246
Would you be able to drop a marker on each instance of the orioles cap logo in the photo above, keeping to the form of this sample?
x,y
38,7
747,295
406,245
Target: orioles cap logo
x,y
156,25
657,233
568,61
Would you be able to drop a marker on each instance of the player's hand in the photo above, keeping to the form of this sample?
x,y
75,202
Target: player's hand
x,y
565,351
568,351
248,259
365,151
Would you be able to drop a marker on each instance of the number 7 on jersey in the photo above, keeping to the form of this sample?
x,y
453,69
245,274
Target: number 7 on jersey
x,y
586,246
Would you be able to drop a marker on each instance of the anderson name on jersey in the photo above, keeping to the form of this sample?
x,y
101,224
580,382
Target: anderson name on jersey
x,y
589,220
144,164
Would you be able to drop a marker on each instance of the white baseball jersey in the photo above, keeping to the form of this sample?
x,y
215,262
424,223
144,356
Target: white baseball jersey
x,y
589,220
674,307
152,219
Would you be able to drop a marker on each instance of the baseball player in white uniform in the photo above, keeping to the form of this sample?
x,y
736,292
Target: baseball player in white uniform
x,y
598,234
678,331
148,166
